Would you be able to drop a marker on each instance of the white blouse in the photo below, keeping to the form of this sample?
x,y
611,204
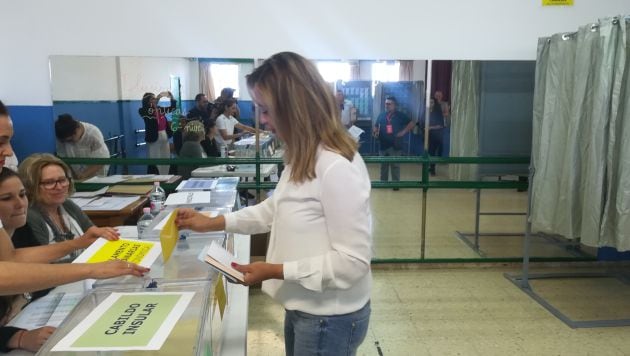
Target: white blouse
x,y
321,231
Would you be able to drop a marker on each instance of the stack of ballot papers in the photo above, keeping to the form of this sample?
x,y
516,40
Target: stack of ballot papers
x,y
221,260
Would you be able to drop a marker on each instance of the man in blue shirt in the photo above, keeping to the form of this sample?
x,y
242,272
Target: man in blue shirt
x,y
390,128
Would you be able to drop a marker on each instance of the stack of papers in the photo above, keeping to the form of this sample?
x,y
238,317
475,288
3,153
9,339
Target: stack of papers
x,y
105,203
221,260
91,194
117,178
49,310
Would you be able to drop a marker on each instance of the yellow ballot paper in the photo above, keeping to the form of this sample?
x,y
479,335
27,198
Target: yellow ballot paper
x,y
219,294
143,253
169,236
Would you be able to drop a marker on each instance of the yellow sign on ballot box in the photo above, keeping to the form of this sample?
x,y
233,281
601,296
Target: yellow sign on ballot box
x,y
143,253
557,2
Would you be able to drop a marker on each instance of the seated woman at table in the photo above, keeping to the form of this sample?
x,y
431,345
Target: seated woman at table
x,y
193,134
13,210
209,143
52,217
226,123
18,276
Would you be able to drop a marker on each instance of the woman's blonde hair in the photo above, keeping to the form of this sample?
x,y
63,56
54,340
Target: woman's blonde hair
x,y
304,111
194,131
30,170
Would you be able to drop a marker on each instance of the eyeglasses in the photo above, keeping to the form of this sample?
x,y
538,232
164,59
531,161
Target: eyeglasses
x,y
52,184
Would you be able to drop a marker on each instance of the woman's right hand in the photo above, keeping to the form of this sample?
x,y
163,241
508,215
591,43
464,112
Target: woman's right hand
x,y
32,340
110,269
190,219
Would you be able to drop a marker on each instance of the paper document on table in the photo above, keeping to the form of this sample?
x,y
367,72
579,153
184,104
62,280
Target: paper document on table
x,y
90,194
49,310
188,198
355,132
81,202
221,260
197,184
149,178
109,203
116,178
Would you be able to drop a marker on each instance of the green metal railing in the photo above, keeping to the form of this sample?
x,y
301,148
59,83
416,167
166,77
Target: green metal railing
x,y
425,183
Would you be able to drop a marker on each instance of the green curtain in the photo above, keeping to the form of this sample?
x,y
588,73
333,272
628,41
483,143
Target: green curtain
x,y
616,219
581,163
465,96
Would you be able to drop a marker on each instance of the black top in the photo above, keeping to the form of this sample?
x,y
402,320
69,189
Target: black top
x,y
211,148
199,115
6,333
151,123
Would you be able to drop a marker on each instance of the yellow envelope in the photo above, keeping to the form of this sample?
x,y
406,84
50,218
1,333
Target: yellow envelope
x,y
219,294
169,236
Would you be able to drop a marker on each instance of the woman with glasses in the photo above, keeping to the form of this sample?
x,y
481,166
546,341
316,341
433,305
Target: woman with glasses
x,y
52,217
22,272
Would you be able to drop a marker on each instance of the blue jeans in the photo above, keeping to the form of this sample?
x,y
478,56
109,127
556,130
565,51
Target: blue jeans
x,y
306,334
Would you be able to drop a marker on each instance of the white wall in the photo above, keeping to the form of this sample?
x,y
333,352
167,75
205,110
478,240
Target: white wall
x,y
84,78
149,74
32,30
96,78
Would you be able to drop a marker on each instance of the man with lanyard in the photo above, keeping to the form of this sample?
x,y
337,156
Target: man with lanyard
x,y
390,128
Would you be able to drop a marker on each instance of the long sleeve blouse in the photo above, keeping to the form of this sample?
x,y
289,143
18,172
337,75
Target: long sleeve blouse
x,y
321,232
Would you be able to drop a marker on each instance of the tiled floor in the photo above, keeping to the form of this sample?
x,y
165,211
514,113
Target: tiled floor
x,y
464,309
425,310
397,222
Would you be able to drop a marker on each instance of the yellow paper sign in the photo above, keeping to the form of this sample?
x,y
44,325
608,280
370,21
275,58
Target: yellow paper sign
x,y
169,236
219,295
126,250
557,2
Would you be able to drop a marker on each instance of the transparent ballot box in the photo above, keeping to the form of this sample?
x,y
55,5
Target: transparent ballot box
x,y
191,333
184,263
227,183
246,147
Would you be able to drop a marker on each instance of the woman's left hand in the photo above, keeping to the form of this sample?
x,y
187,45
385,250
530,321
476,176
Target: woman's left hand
x,y
259,271
93,233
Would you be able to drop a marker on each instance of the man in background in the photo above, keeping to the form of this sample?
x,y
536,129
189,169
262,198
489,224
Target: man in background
x,y
81,139
390,128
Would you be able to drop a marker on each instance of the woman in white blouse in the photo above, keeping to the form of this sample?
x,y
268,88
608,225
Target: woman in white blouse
x,y
318,261
226,123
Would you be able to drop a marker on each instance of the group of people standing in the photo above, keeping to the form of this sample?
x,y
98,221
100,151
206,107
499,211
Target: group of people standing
x,y
204,132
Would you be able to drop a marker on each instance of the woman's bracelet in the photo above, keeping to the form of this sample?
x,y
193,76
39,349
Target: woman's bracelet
x,y
19,341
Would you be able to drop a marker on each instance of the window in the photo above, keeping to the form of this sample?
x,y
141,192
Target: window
x,y
224,76
384,72
334,71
